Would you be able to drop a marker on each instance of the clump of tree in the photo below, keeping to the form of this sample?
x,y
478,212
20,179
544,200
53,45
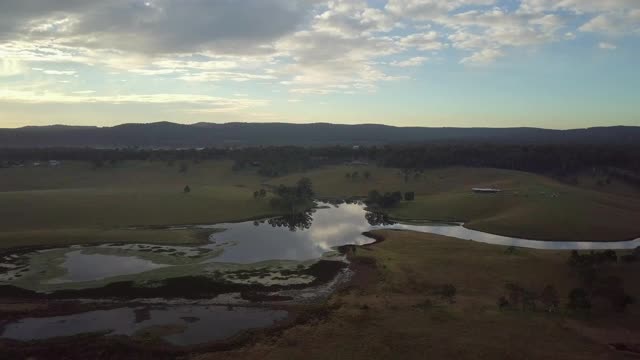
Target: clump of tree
x,y
592,258
385,200
579,300
354,176
260,194
632,257
518,298
409,196
609,289
295,198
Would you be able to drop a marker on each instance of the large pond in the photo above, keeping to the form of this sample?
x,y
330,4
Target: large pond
x,y
300,238
178,325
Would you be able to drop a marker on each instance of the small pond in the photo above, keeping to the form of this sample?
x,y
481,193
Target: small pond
x,y
89,267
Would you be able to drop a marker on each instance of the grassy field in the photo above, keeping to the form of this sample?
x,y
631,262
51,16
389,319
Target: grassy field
x,y
75,203
531,206
393,313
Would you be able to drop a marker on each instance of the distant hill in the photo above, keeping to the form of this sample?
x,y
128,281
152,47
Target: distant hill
x,y
170,135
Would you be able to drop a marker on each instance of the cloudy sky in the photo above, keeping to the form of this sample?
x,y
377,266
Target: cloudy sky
x,y
545,63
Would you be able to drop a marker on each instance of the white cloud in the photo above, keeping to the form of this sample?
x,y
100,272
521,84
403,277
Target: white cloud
x,y
51,97
426,41
429,9
414,61
607,46
482,57
310,46
59,72
614,23
11,67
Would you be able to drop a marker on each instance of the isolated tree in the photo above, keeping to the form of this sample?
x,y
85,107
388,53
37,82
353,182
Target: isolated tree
x,y
305,189
503,302
511,250
529,300
409,196
348,176
187,189
579,300
263,193
514,294
98,164
449,291
373,197
184,167
256,194
405,173
355,175
366,175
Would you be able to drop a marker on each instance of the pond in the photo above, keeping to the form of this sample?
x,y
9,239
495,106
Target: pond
x,y
304,237
178,325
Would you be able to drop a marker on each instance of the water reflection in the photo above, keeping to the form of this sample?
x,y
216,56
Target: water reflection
x,y
375,218
314,233
301,237
295,222
90,267
190,324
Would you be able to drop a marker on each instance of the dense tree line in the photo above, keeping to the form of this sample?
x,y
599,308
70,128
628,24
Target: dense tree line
x,y
621,162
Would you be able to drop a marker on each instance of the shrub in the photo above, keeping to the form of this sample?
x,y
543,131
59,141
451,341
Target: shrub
x,y
449,291
549,298
503,302
579,300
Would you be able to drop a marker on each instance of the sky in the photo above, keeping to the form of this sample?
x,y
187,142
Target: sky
x,y
455,63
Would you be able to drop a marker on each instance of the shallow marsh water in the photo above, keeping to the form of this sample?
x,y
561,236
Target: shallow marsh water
x,y
178,325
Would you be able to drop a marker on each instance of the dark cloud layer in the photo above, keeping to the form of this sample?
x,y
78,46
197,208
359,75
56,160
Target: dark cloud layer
x,y
156,26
